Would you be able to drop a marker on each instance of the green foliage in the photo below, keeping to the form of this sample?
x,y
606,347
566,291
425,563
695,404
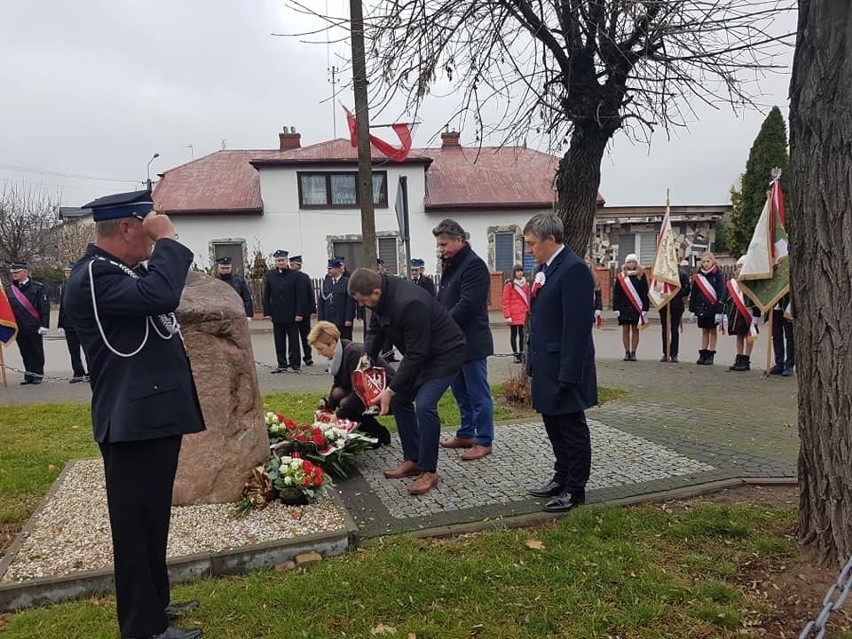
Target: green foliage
x,y
768,151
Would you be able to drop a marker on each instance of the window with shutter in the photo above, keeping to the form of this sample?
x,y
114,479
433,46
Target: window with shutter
x,y
388,253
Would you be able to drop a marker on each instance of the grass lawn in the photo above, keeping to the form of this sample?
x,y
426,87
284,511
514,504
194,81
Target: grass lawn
x,y
644,572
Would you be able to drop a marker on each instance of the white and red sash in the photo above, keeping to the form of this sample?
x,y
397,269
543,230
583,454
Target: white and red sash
x,y
632,295
706,288
522,294
739,302
25,303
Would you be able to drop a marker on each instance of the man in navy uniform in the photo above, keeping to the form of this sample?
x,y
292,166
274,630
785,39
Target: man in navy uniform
x,y
143,395
71,339
28,300
561,358
335,305
225,272
305,324
284,301
418,276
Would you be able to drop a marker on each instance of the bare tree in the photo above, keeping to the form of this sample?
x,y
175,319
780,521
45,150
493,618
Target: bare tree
x,y
71,239
28,215
821,273
571,71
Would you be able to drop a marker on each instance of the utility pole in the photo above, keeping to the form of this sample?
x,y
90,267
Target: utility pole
x,y
362,116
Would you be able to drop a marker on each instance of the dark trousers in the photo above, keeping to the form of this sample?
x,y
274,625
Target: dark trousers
x,y
675,330
516,339
782,335
139,480
287,344
31,346
569,437
419,425
304,329
75,350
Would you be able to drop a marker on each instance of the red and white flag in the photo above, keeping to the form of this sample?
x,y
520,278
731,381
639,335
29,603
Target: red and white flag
x,y
403,131
665,278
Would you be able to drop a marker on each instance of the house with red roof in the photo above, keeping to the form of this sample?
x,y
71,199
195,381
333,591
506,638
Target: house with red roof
x,y
304,200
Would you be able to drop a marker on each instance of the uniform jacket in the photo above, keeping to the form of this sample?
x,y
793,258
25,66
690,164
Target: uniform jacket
x,y
35,293
63,320
561,355
464,293
516,302
242,289
426,282
308,292
701,305
335,305
621,302
350,405
432,344
150,394
284,296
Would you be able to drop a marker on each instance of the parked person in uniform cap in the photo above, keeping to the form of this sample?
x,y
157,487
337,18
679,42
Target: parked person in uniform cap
x,y
143,395
305,324
345,357
71,340
516,307
335,305
225,272
561,358
464,293
433,348
28,300
284,301
419,277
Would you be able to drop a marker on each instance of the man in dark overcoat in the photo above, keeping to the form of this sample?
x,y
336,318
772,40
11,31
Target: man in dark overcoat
x,y
143,395
561,358
335,305
31,308
285,302
71,340
225,272
433,349
464,293
305,324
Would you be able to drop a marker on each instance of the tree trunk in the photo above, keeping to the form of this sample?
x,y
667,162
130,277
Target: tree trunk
x,y
577,182
819,219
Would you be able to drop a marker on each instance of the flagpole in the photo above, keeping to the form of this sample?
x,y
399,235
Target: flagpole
x,y
3,368
668,332
769,346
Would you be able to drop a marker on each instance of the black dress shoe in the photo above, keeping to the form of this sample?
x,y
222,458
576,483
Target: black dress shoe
x,y
565,501
550,490
173,632
180,608
26,381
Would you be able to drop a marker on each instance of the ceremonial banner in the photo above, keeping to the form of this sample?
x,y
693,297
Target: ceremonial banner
x,y
403,131
8,325
665,279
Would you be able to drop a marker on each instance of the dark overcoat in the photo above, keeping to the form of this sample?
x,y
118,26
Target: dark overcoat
x,y
430,341
284,296
34,292
335,305
561,357
464,293
150,394
242,288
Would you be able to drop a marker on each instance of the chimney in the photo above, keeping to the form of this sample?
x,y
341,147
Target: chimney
x,y
288,139
450,139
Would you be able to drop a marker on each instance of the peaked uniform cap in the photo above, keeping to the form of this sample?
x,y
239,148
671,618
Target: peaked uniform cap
x,y
297,259
224,261
335,263
14,267
121,205
280,254
418,263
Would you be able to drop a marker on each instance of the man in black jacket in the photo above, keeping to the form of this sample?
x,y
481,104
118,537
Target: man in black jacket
x,y
418,276
432,346
225,272
285,302
335,304
305,324
71,339
143,394
464,293
673,312
32,313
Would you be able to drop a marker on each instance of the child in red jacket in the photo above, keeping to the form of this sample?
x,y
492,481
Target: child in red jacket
x,y
516,306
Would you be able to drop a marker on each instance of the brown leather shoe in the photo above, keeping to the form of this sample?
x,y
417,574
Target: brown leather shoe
x,y
477,452
423,484
407,468
457,442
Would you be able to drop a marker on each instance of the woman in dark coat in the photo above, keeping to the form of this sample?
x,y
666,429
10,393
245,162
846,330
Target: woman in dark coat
x,y
706,302
630,303
342,399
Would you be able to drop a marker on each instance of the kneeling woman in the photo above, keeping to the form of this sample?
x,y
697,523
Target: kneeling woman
x,y
342,399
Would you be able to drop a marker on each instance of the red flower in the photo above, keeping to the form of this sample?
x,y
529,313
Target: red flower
x,y
317,437
301,437
308,481
308,466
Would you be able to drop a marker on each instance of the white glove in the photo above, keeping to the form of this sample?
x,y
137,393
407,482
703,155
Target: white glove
x,y
720,318
597,314
617,313
645,316
694,318
248,319
61,331
43,331
508,320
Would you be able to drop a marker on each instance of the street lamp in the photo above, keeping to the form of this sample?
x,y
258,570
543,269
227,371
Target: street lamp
x,y
148,169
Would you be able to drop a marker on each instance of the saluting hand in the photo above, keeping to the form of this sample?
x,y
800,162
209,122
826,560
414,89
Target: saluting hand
x,y
159,227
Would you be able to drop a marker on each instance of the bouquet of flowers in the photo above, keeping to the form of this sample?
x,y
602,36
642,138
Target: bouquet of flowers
x,y
296,479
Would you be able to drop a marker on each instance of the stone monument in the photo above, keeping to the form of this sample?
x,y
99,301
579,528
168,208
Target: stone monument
x,y
215,464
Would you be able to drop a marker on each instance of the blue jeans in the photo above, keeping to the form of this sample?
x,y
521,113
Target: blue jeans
x,y
473,395
419,425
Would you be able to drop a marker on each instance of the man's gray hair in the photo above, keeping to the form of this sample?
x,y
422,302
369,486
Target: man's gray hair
x,y
543,224
450,228
107,228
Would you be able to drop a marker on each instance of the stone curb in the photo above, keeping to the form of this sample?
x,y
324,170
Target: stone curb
x,y
50,590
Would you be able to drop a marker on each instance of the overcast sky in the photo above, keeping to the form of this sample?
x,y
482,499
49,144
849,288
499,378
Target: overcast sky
x,y
93,88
